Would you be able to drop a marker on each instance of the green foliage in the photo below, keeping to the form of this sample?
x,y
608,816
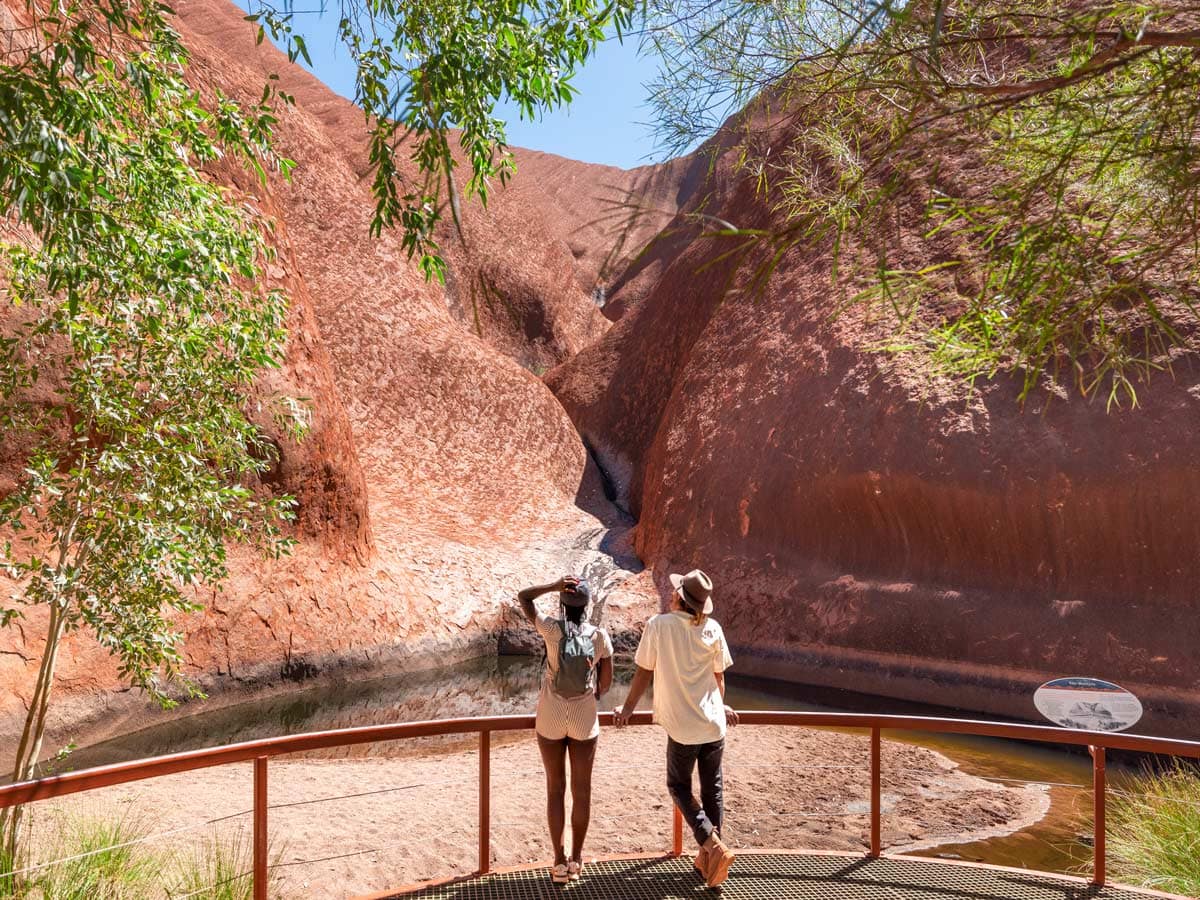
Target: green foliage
x,y
216,869
137,330
430,66
1154,832
1016,184
135,326
108,867
109,857
103,860
717,56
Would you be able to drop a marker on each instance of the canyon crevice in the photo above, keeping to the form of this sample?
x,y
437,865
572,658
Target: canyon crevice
x,y
872,527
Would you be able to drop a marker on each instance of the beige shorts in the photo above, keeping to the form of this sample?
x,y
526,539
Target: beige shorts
x,y
558,717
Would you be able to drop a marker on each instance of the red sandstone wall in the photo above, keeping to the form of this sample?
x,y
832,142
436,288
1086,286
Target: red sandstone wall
x,y
864,532
870,530
441,474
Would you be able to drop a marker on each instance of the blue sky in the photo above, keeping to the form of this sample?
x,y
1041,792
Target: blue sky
x,y
605,124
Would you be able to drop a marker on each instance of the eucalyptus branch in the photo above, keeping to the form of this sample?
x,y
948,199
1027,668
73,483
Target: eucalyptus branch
x,y
1082,235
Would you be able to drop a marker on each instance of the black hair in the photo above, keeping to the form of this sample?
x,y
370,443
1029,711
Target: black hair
x,y
574,614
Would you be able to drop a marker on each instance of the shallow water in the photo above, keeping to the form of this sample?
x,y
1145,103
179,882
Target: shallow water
x,y
1050,845
508,685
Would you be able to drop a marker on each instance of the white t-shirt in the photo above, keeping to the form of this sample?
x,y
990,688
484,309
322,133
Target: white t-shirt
x,y
683,657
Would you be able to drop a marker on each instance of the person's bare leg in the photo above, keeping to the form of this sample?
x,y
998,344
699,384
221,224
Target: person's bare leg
x,y
583,755
554,761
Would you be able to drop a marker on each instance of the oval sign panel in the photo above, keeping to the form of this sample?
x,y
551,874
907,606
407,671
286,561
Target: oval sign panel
x,y
1088,704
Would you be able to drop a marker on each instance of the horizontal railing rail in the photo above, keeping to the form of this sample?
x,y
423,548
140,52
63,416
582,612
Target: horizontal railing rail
x,y
260,751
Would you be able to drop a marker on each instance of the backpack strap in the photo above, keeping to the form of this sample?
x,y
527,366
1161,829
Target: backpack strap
x,y
568,627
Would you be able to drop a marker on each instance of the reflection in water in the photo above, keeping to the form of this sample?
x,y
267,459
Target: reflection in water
x,y
493,686
509,686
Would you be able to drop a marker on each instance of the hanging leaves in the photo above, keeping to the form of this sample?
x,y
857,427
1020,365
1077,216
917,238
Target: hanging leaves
x,y
144,328
432,72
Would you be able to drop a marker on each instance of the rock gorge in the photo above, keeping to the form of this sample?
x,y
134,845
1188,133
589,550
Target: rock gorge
x,y
865,530
873,527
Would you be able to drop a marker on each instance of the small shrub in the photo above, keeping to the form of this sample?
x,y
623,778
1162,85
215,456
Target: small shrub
x,y
105,857
101,863
1154,832
216,868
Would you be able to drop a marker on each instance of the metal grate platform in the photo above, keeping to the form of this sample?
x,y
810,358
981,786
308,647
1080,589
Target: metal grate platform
x,y
779,876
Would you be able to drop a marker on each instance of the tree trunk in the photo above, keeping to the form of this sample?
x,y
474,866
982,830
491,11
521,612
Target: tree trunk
x,y
30,746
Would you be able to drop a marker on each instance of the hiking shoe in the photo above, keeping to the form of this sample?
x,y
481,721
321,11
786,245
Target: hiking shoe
x,y
701,862
717,862
574,869
559,874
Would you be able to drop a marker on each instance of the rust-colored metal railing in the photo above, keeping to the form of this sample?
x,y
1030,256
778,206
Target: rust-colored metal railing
x,y
261,751
876,787
1098,817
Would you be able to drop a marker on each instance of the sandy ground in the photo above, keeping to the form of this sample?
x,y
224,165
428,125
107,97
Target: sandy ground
x,y
410,818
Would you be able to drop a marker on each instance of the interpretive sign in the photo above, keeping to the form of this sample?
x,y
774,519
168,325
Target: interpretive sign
x,y
1088,704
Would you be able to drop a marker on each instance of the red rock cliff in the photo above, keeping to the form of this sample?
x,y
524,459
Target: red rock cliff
x,y
871,531
441,474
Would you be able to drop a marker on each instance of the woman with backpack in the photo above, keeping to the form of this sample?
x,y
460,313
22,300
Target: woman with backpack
x,y
578,671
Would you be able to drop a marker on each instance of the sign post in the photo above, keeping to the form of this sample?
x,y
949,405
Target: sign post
x,y
1090,704
1087,704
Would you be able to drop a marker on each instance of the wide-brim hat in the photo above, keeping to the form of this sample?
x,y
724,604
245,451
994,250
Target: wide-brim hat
x,y
696,590
580,596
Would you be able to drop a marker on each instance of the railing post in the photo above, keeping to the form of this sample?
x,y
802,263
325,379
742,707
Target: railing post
x,y
876,842
260,828
485,802
1098,824
676,832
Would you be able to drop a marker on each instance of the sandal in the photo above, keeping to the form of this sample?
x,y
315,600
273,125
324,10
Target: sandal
x,y
575,869
559,874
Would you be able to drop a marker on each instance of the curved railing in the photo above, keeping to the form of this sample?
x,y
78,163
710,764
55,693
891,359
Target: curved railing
x,y
261,751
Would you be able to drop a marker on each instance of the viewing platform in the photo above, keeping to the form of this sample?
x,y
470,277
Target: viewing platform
x,y
782,875
762,874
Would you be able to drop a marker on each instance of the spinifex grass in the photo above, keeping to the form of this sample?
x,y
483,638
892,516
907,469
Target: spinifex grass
x,y
91,858
109,857
1154,832
214,868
